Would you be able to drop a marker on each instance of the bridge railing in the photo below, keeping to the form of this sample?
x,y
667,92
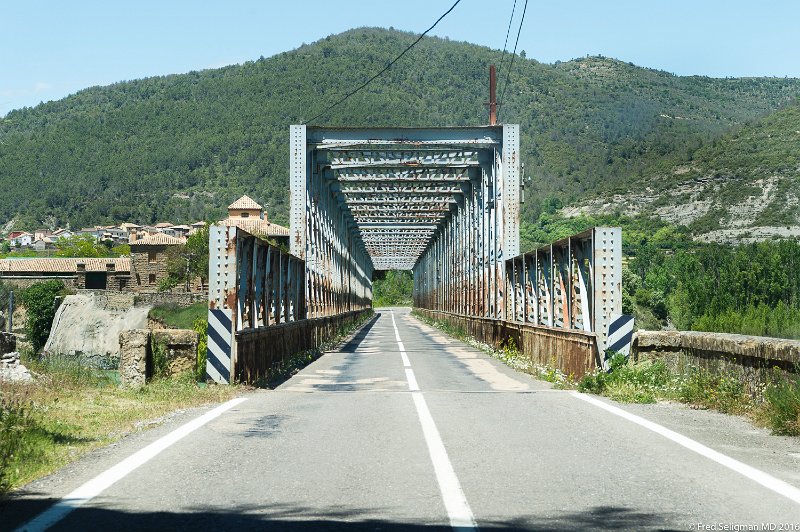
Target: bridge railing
x,y
574,283
258,312
561,304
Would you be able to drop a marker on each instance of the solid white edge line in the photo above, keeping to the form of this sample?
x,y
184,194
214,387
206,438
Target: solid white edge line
x,y
401,346
768,481
406,361
104,480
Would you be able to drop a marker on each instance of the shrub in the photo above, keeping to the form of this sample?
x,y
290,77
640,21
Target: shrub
x,y
200,326
39,301
783,410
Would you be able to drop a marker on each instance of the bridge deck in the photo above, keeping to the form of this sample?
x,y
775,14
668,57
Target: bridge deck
x,y
342,445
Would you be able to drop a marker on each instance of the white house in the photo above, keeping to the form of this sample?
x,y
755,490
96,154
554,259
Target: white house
x,y
20,239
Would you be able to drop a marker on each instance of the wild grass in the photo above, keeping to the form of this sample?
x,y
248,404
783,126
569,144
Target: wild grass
x,y
651,381
175,317
71,409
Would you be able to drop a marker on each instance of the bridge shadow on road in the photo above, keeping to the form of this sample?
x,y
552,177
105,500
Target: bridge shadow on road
x,y
352,345
16,511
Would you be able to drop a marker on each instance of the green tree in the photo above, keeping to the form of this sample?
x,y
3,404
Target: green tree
x,y
393,288
187,261
39,301
80,246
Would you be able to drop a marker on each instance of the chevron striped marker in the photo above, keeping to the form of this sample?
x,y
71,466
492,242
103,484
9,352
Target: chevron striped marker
x,y
620,333
218,354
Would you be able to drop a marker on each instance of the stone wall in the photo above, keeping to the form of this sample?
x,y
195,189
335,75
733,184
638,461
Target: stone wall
x,y
755,360
135,364
21,282
179,299
110,300
179,346
139,347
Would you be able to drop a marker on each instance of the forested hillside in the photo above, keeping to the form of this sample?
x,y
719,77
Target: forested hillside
x,y
182,147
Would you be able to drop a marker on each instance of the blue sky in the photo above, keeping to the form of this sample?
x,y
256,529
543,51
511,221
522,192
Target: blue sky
x,y
49,48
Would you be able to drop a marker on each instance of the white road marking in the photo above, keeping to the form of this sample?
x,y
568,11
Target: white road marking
x,y
412,380
455,502
406,362
103,481
401,346
768,481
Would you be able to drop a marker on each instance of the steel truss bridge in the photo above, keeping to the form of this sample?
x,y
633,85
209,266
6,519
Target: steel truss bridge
x,y
441,202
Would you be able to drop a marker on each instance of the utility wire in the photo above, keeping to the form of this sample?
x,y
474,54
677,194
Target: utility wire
x,y
508,76
387,67
505,44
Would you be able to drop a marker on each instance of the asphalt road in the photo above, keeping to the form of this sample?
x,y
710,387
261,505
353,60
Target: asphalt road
x,y
426,433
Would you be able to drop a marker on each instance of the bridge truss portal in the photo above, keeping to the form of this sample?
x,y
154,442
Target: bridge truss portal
x,y
442,202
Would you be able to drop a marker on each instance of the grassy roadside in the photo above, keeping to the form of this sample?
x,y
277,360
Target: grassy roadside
x,y
509,354
70,410
652,381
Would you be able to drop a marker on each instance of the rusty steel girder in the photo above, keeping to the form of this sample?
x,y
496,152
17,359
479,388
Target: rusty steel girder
x,y
574,283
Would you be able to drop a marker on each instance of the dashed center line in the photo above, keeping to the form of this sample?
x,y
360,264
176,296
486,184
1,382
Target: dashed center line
x,y
455,502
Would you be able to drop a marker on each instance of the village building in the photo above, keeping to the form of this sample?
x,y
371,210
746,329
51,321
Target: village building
x,y
149,259
22,239
248,215
61,233
91,273
44,243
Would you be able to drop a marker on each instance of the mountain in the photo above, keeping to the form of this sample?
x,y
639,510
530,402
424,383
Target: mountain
x,y
742,186
182,147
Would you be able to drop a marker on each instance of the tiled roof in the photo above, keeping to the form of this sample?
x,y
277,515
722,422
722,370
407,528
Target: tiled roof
x,y
245,203
257,226
158,239
163,225
69,265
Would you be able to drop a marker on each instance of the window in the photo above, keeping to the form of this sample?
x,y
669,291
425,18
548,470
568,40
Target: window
x,y
152,278
245,215
152,256
123,284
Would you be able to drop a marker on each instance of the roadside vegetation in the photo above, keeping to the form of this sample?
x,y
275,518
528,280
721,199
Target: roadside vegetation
x,y
71,409
175,317
392,289
651,381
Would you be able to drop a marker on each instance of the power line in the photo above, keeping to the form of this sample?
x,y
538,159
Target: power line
x,y
511,66
387,67
505,44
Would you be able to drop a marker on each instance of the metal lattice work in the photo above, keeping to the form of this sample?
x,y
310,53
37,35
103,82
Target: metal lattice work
x,y
574,283
442,202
